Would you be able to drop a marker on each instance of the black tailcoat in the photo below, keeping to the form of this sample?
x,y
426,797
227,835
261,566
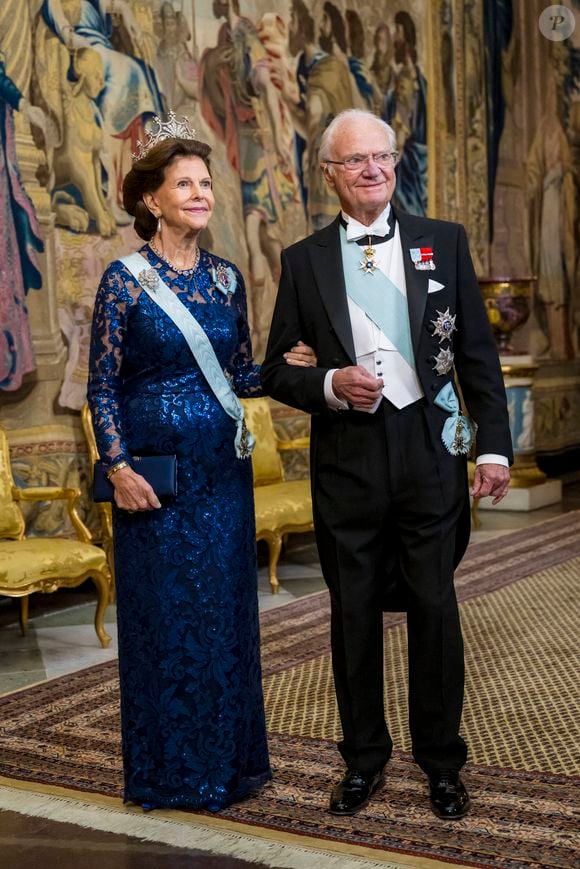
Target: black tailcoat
x,y
312,306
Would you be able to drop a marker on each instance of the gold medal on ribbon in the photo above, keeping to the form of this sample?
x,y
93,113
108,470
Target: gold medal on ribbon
x,y
369,264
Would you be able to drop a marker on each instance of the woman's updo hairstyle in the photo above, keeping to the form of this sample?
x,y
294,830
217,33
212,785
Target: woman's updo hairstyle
x,y
148,174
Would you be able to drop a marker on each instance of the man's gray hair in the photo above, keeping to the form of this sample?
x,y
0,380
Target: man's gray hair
x,y
332,132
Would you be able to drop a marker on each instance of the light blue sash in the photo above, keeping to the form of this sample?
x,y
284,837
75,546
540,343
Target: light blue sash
x,y
199,344
379,298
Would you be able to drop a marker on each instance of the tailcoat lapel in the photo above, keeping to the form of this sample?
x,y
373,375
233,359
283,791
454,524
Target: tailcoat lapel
x,y
412,235
326,260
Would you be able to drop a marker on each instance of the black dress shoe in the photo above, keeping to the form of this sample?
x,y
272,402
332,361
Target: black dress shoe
x,y
353,791
449,799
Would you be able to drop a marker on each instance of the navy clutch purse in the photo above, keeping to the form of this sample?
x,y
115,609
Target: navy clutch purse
x,y
159,471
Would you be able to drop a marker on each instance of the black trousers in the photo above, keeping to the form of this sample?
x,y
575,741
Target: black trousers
x,y
385,491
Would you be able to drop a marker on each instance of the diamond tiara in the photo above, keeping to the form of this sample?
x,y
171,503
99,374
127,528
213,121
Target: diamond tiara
x,y
170,129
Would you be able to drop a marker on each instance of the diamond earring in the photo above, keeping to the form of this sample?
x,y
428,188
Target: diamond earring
x,y
159,223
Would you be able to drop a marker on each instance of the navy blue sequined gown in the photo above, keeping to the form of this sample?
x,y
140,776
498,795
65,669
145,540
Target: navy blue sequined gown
x,y
192,714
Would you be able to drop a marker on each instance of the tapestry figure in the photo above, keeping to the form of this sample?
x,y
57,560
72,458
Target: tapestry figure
x,y
130,94
323,90
21,241
240,104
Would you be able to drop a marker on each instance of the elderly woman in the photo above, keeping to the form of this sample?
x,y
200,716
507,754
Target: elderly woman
x,y
192,711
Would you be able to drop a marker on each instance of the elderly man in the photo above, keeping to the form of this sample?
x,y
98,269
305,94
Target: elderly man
x,y
391,305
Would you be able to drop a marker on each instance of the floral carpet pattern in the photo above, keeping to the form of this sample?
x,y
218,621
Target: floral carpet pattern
x,y
519,612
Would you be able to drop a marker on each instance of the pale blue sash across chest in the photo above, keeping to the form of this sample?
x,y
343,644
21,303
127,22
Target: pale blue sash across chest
x,y
378,297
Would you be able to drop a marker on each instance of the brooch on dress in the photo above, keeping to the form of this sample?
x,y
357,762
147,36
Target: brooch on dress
x,y
149,278
422,258
444,325
224,278
443,362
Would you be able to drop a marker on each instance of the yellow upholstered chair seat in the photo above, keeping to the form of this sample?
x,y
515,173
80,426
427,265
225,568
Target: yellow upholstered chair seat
x,y
43,564
282,506
38,563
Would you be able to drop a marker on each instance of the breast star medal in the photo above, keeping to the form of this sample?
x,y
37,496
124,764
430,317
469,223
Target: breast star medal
x,y
443,362
369,263
444,325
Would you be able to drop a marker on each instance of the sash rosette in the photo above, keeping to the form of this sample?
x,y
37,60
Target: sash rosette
x,y
458,431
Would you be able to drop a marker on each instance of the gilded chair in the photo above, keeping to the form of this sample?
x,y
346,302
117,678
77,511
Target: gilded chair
x,y
31,564
103,508
282,506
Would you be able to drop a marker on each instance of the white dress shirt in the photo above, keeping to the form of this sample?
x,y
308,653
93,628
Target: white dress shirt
x,y
373,350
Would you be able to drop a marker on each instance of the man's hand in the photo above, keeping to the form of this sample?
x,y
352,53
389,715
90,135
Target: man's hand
x,y
490,479
301,354
355,385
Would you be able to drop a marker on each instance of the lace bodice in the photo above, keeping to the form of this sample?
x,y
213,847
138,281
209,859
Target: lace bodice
x,y
135,347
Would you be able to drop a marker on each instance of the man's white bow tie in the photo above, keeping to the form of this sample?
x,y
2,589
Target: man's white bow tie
x,y
355,230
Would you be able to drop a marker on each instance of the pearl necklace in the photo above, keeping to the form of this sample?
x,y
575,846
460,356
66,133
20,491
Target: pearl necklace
x,y
188,271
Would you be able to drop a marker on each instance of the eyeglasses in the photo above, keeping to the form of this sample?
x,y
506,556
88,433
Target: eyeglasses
x,y
357,161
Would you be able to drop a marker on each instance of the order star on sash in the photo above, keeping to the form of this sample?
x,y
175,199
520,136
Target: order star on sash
x,y
369,263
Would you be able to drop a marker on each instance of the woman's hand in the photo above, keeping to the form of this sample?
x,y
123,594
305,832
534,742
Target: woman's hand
x,y
132,492
301,354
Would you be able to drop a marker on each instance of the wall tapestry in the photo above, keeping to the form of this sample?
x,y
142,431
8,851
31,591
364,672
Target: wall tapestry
x,y
260,80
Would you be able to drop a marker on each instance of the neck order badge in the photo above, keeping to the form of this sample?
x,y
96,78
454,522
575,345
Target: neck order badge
x,y
379,231
369,265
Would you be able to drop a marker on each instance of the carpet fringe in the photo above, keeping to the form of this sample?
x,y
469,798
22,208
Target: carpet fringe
x,y
179,834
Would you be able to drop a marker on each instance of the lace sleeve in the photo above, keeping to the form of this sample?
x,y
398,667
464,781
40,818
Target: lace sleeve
x,y
245,372
108,333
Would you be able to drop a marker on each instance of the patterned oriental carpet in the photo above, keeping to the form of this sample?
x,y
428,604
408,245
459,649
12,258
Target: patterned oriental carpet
x,y
519,606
